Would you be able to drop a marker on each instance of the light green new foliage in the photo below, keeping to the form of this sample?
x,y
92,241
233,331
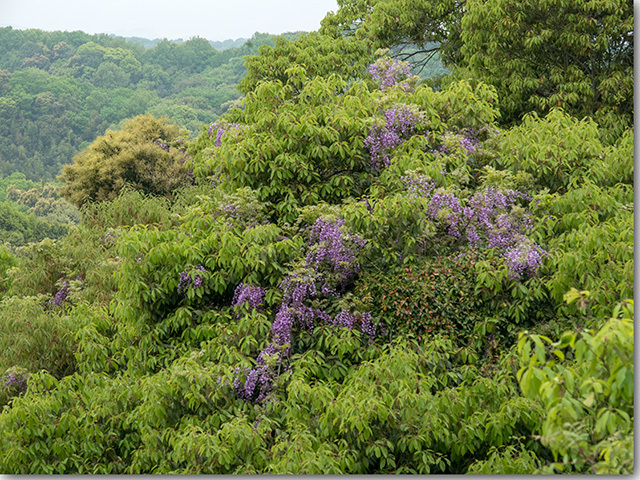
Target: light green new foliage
x,y
558,149
224,240
584,382
301,143
583,203
320,55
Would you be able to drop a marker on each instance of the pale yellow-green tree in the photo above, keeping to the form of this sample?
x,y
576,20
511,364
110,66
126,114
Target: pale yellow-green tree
x,y
146,153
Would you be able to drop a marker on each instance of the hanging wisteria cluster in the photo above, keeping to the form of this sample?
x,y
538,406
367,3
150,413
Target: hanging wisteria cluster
x,y
250,295
188,281
16,381
389,72
332,250
487,217
329,248
219,129
61,295
399,125
162,145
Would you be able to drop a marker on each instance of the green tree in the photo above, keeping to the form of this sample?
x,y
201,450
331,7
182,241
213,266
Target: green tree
x,y
320,55
416,30
145,153
543,54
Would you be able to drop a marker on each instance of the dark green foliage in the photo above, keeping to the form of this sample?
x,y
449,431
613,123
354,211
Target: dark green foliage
x,y
545,54
433,296
418,30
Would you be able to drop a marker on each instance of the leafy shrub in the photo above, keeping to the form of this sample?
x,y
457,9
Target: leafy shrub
x,y
7,261
561,151
584,382
34,339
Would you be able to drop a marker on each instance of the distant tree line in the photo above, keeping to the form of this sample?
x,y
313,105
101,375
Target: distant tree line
x,y
60,90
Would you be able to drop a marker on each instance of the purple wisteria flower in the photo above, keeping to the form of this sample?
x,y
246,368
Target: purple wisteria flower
x,y
190,281
389,72
399,125
247,294
162,145
61,295
488,217
332,249
253,384
219,129
524,260
16,381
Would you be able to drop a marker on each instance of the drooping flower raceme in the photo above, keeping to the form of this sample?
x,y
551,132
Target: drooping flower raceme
x,y
330,248
247,294
399,125
17,381
60,295
389,72
219,129
190,281
488,217
524,259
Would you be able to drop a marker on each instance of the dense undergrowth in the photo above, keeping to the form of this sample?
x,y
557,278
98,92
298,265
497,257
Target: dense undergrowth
x,y
362,279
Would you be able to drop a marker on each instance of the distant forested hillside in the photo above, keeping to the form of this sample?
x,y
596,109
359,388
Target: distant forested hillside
x,y
60,90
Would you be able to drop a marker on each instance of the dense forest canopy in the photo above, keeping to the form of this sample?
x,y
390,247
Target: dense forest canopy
x,y
60,90
353,269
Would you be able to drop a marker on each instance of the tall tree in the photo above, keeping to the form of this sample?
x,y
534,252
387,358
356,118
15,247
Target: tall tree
x,y
545,53
417,30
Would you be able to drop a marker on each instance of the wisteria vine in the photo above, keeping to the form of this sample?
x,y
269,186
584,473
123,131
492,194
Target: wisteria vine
x,y
330,250
399,125
389,72
488,217
219,129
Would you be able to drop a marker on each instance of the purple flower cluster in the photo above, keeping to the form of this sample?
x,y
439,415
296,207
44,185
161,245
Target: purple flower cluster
x,y
331,249
17,381
488,217
468,145
389,72
108,238
369,328
487,212
253,384
470,142
524,260
247,294
162,145
219,129
419,186
188,281
61,295
399,125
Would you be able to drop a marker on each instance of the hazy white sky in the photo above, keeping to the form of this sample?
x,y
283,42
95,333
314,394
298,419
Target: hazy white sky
x,y
172,19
